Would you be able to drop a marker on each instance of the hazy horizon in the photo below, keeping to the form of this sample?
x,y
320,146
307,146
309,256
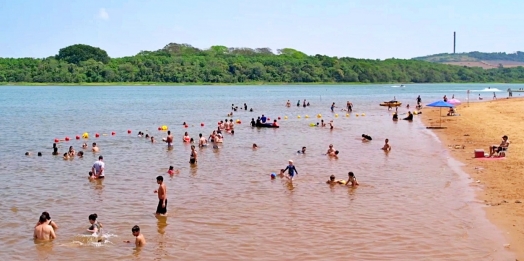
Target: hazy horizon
x,y
372,29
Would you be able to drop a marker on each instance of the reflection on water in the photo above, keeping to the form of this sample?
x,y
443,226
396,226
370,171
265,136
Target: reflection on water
x,y
410,205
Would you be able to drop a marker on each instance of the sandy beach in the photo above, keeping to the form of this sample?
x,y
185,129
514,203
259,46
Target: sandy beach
x,y
478,126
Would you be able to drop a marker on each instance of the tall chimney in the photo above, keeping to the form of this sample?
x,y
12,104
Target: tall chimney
x,y
454,41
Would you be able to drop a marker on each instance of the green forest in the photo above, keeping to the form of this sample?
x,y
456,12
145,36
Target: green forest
x,y
185,64
473,56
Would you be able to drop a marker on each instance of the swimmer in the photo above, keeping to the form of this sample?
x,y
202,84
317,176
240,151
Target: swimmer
x,y
71,152
91,176
161,209
140,241
95,227
39,154
55,149
352,180
330,150
186,137
80,154
331,125
66,156
253,124
84,146
95,148
153,139
334,154
366,138
386,146
251,110
288,104
193,156
322,124
43,231
395,116
333,181
255,146
48,221
192,141
303,151
291,170
202,141
147,136
28,153
172,171
169,140
281,174
140,134
275,124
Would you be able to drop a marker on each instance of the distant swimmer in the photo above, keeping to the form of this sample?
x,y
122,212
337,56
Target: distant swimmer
x,y
40,154
330,150
43,231
91,176
153,139
288,104
140,240
366,138
352,180
333,181
193,155
172,171
84,146
322,124
255,146
48,221
251,110
350,106
80,154
98,168
302,151
245,106
410,116
96,227
71,152
253,123
27,153
161,209
333,107
202,142
291,170
95,148
395,116
298,103
66,156
169,140
386,146
331,125
304,104
147,136
186,138
55,149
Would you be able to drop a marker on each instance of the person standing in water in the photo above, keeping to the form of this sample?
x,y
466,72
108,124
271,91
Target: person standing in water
x,y
161,209
333,107
386,146
140,240
291,170
169,140
98,168
48,221
245,106
193,155
43,231
288,104
96,227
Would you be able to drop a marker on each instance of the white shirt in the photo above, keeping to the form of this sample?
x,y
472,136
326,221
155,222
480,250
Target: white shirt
x,y
99,167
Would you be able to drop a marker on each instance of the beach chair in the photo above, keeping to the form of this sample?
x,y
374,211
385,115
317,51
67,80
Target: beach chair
x,y
503,152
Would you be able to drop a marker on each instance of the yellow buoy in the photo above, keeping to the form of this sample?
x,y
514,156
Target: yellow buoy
x,y
319,115
307,116
363,114
164,127
85,135
336,115
285,117
347,114
312,124
298,116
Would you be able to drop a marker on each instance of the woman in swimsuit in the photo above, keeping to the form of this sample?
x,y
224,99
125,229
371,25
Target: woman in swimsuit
x,y
95,227
193,155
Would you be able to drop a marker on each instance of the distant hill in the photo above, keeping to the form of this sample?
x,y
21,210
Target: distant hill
x,y
477,59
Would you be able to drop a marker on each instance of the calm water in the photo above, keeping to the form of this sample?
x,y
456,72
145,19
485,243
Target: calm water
x,y
412,203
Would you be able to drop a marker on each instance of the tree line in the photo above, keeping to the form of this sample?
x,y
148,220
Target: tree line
x,y
183,63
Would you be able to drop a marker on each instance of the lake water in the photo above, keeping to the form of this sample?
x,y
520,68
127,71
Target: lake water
x,y
412,203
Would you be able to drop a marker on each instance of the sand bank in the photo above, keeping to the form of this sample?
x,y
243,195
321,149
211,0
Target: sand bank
x,y
502,180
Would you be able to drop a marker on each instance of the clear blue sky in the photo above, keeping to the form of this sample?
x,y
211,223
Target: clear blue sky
x,y
355,28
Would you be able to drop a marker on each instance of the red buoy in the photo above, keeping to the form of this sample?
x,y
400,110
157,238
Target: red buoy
x,y
57,140
268,119
97,135
77,137
278,118
128,131
66,139
202,124
113,133
159,128
218,123
185,126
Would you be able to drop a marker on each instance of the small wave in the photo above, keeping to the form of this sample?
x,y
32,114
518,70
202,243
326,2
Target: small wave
x,y
487,90
93,240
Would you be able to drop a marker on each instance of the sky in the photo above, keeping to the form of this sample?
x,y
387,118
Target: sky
x,y
373,29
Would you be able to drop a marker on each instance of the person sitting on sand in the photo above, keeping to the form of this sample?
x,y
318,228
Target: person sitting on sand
x,y
410,116
451,112
333,181
366,138
504,144
153,139
352,180
386,146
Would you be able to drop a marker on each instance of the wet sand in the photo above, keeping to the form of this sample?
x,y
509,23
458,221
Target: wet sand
x,y
500,181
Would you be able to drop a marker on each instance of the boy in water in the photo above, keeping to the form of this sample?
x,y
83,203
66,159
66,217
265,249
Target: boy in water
x,y
333,181
140,240
303,151
161,209
91,176
291,171
352,180
386,146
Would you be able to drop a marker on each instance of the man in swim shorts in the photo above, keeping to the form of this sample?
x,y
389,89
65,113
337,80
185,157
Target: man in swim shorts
x,y
43,231
169,140
291,170
161,209
98,168
202,141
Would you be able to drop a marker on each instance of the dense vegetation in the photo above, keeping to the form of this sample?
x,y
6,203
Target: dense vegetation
x,y
182,63
473,56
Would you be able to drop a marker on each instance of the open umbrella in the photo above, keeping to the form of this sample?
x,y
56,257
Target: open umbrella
x,y
454,102
441,104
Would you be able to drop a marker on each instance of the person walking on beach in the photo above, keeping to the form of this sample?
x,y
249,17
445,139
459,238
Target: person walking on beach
x,y
350,106
291,170
98,168
161,209
140,240
43,231
494,96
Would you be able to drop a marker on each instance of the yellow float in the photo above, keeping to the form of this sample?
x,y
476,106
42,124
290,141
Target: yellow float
x,y
164,127
347,114
319,115
85,135
336,115
307,116
299,116
312,124
363,114
356,114
285,117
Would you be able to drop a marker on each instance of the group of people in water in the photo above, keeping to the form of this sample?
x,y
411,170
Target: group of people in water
x,y
45,229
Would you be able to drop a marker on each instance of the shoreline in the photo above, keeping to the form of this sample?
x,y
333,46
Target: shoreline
x,y
230,84
501,182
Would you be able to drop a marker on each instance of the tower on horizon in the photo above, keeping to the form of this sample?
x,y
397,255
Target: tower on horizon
x,y
454,41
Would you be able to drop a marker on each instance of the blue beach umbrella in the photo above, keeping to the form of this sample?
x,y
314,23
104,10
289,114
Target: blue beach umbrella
x,y
441,104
